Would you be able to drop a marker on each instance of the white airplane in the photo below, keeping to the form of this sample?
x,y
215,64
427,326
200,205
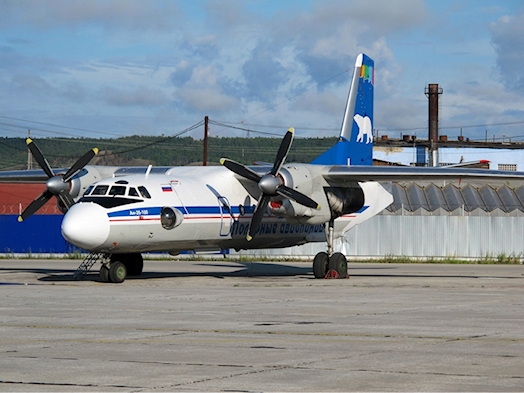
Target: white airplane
x,y
121,212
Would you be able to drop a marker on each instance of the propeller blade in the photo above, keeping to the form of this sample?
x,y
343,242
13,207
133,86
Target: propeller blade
x,y
258,215
296,196
285,145
79,164
66,199
240,169
35,205
39,157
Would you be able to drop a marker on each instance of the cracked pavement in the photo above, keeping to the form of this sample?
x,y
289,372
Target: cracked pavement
x,y
262,326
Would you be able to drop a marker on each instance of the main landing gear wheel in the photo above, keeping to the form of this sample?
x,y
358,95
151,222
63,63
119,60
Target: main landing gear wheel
x,y
320,265
334,266
339,264
117,272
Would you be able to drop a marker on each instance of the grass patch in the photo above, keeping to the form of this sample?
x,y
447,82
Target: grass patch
x,y
500,259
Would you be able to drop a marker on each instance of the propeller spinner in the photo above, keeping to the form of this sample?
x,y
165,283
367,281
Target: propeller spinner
x,y
270,184
57,185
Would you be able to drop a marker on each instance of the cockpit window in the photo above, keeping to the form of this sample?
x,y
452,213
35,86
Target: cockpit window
x,y
132,192
100,190
89,190
117,190
144,192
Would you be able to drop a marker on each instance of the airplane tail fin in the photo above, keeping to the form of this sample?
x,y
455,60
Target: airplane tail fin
x,y
355,143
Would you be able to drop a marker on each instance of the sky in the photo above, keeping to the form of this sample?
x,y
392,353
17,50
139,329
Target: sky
x,y
105,69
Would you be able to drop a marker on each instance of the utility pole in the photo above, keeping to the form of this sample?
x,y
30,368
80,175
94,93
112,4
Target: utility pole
x,y
29,155
206,131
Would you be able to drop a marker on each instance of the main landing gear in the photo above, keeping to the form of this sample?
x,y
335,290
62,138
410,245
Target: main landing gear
x,y
329,264
119,266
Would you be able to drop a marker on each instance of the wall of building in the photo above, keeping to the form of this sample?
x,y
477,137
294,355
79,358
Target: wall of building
x,y
468,235
452,155
461,237
39,234
464,237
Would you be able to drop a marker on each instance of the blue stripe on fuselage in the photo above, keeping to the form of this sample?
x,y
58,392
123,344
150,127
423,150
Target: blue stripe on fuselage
x,y
190,210
155,211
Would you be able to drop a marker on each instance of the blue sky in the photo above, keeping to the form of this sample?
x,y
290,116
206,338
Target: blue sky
x,y
139,67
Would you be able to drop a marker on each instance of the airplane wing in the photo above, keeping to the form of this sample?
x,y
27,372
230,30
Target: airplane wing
x,y
387,174
27,176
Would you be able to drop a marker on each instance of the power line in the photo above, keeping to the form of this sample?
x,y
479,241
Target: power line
x,y
139,147
191,128
52,125
216,123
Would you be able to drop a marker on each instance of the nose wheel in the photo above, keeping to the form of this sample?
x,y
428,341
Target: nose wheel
x,y
119,266
116,272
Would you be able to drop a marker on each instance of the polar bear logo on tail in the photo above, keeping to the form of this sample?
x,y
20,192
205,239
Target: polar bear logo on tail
x,y
364,128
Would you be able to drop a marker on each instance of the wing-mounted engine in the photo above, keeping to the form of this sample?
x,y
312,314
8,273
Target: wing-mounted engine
x,y
271,184
79,183
83,179
299,178
57,185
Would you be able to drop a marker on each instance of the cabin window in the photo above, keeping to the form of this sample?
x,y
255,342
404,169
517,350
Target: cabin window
x,y
117,190
132,192
100,190
144,192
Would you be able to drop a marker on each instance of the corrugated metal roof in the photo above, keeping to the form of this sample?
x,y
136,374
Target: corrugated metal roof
x,y
423,198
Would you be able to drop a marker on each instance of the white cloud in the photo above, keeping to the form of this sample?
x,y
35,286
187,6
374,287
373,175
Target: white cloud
x,y
270,62
141,96
508,33
115,14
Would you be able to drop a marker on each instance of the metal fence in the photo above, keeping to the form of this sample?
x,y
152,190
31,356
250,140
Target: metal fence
x,y
425,237
49,208
461,237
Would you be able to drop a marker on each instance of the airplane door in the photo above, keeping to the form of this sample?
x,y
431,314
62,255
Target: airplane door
x,y
226,215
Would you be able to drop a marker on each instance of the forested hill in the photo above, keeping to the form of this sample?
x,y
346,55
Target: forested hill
x,y
145,150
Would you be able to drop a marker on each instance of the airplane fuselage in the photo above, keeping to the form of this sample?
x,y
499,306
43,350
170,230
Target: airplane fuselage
x,y
197,208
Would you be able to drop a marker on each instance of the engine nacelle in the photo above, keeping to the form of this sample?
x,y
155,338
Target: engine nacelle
x,y
299,177
79,183
83,179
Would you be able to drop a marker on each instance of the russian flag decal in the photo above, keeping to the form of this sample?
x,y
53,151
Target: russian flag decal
x,y
166,188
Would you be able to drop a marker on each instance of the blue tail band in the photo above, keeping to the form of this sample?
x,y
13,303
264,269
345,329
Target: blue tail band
x,y
355,143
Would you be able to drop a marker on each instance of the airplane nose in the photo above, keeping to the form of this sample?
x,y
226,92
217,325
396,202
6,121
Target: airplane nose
x,y
86,225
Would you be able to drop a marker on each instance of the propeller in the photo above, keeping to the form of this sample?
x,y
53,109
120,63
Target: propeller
x,y
270,184
57,185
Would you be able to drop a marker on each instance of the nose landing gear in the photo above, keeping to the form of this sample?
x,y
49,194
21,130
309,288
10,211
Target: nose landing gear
x,y
119,266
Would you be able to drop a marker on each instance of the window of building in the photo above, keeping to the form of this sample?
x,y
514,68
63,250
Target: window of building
x,y
507,167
